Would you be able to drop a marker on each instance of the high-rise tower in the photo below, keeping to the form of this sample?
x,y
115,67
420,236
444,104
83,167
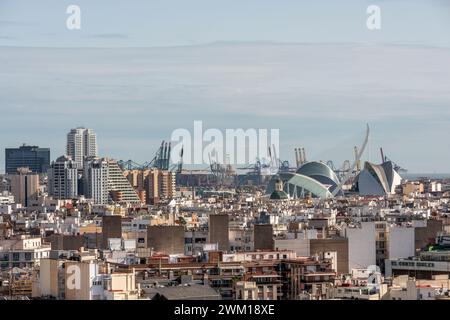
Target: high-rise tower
x,y
63,178
81,143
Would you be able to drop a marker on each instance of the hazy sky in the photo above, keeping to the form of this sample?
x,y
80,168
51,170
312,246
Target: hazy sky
x,y
310,68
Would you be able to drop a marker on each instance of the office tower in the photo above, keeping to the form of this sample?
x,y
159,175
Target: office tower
x,y
24,186
95,179
105,182
32,157
63,178
218,231
81,143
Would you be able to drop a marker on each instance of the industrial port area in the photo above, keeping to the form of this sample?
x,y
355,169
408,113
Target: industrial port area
x,y
85,227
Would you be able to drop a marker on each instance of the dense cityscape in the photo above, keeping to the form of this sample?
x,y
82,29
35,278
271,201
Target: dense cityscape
x,y
87,227
224,159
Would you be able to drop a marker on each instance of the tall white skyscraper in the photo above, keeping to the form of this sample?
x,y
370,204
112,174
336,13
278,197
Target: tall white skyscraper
x,y
81,143
63,178
96,180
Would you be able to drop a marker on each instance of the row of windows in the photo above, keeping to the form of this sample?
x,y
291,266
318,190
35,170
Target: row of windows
x,y
28,256
412,264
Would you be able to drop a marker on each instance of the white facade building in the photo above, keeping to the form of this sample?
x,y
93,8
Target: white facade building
x,y
96,180
102,178
24,252
361,245
63,178
81,143
400,242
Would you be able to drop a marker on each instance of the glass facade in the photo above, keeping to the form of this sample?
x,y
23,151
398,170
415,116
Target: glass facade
x,y
35,158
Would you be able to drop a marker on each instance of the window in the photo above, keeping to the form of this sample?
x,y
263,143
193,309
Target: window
x,y
16,256
28,256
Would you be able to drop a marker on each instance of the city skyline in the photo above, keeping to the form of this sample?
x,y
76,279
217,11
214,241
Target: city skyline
x,y
370,155
224,157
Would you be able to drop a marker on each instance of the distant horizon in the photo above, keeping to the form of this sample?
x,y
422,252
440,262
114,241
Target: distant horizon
x,y
313,70
54,156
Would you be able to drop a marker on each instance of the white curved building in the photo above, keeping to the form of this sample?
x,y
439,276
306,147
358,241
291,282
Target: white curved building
x,y
377,180
313,177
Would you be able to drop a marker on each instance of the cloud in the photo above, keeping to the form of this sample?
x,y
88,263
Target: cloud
x,y
5,23
312,93
108,36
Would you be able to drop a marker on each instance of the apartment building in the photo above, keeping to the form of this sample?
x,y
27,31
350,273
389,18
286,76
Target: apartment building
x,y
22,252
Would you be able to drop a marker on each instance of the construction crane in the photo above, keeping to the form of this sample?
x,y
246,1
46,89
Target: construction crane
x,y
330,164
300,156
129,165
276,164
161,160
220,171
162,157
343,170
180,163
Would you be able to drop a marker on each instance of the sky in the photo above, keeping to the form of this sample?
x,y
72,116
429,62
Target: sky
x,y
137,70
